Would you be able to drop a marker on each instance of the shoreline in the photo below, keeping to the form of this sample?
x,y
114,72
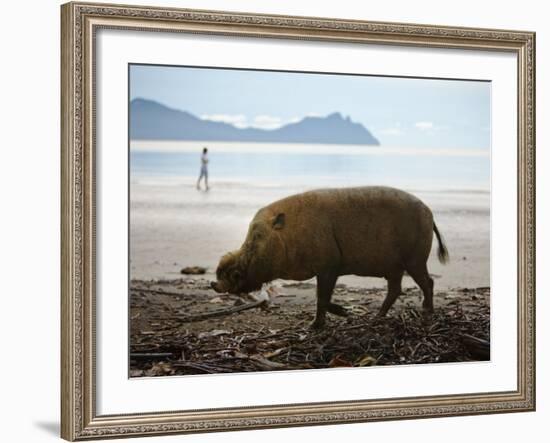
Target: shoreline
x,y
191,146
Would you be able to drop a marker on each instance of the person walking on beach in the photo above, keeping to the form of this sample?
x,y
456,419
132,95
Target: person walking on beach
x,y
204,169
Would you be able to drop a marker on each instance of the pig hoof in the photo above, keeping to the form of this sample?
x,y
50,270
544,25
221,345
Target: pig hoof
x,y
338,310
427,315
316,325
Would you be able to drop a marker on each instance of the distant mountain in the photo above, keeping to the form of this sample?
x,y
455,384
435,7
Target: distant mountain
x,y
150,120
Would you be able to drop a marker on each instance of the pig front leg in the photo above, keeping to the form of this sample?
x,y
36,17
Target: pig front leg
x,y
325,286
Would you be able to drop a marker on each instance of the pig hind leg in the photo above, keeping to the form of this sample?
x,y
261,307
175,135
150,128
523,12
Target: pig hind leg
x,y
419,273
335,309
394,290
325,286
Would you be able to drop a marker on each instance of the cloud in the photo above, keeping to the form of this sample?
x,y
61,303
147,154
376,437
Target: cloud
x,y
424,126
241,121
262,121
238,120
295,120
267,122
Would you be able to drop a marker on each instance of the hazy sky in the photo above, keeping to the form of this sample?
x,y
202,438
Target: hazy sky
x,y
400,112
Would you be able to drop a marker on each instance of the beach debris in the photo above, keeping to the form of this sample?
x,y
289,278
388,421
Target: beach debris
x,y
366,360
478,347
214,333
357,309
187,334
158,369
300,285
339,362
262,361
217,300
151,355
193,270
221,312
267,293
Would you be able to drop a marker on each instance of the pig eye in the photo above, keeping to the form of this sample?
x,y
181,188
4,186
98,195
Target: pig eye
x,y
235,275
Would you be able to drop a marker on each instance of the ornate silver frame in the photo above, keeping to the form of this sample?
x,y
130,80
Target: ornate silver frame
x,y
80,21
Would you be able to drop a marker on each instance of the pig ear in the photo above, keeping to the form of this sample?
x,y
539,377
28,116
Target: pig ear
x,y
278,221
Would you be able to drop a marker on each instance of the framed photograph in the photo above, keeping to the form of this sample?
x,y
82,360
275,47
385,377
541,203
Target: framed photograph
x,y
277,221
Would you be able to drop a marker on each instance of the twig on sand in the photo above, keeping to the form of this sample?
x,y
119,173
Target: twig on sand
x,y
202,367
158,291
150,355
221,312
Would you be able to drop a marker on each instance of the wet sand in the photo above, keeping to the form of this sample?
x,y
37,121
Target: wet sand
x,y
172,225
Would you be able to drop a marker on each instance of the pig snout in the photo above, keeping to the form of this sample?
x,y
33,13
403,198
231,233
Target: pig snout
x,y
215,287
219,286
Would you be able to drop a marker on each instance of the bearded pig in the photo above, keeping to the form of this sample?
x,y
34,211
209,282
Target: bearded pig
x,y
367,231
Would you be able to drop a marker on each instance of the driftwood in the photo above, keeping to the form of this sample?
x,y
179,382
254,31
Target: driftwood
x,y
478,347
150,355
202,367
221,312
158,291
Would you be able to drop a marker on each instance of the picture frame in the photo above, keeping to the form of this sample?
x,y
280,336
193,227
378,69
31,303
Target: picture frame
x,y
80,23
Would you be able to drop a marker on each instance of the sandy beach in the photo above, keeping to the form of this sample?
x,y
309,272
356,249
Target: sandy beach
x,y
173,226
180,326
